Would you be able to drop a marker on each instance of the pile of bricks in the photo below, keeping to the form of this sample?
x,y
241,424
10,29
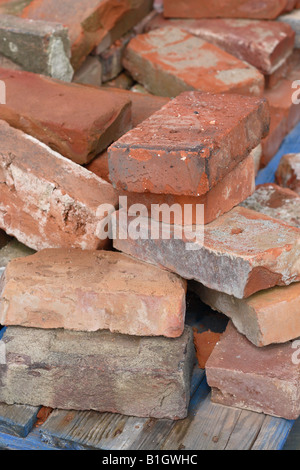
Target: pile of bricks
x,y
131,135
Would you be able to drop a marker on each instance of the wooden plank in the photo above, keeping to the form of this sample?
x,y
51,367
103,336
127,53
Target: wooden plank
x,y
31,442
107,431
273,434
246,430
210,428
293,439
17,420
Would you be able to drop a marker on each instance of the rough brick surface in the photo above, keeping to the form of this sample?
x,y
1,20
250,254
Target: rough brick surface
x,y
226,8
37,46
189,145
267,317
234,188
47,201
136,376
91,290
169,60
83,122
90,21
90,72
288,172
205,343
285,115
259,379
243,251
245,39
142,105
277,202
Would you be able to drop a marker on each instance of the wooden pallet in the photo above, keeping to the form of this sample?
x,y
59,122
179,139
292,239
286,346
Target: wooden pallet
x,y
208,426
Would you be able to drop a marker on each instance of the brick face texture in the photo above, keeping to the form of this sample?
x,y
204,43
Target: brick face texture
x,y
147,377
169,61
262,380
91,290
190,155
46,200
82,123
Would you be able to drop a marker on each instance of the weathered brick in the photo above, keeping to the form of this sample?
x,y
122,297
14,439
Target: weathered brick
x,y
47,201
245,39
142,105
91,290
37,46
90,72
293,20
267,317
189,145
90,22
111,58
83,122
288,172
240,253
265,380
228,193
205,342
123,82
169,60
136,376
227,9
274,201
285,115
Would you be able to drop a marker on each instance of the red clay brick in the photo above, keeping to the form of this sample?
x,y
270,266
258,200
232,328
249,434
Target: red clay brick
x,y
82,123
46,200
229,192
240,253
288,172
205,343
265,380
285,115
169,60
245,39
92,290
274,201
227,9
188,146
267,317
142,105
90,21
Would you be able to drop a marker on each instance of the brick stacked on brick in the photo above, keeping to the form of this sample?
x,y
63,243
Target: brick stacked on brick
x,y
277,202
90,291
188,146
90,22
239,253
46,200
267,317
37,46
137,376
245,39
264,380
288,172
169,60
82,123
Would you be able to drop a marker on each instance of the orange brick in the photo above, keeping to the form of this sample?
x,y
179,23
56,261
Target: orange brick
x,y
170,60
